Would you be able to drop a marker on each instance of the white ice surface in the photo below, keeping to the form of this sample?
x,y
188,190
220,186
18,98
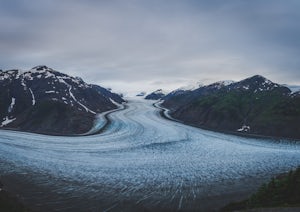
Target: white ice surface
x,y
145,158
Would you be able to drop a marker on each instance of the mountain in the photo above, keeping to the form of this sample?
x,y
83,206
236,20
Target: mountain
x,y
155,95
254,105
141,93
46,101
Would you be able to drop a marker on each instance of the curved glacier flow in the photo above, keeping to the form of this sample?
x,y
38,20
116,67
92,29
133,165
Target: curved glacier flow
x,y
141,161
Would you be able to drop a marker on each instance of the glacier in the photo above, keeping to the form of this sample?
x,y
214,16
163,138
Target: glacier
x,y
140,161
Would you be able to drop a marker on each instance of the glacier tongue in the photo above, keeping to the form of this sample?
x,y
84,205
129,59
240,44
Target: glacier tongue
x,y
141,161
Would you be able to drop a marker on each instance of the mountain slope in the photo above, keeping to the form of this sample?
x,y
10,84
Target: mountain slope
x,y
46,101
155,95
254,105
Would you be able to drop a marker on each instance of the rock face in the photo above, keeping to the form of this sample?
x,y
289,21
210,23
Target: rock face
x,y
254,105
156,95
46,101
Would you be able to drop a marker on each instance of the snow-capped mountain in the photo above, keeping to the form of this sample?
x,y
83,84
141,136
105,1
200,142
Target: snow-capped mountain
x,y
256,84
155,95
44,100
256,105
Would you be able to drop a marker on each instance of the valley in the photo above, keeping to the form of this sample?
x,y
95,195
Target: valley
x,y
141,161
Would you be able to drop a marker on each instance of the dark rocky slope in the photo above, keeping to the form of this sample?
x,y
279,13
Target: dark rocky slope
x,y
46,101
254,105
282,193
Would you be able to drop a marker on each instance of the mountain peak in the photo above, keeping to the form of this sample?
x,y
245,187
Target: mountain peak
x,y
155,95
40,68
257,83
44,89
257,76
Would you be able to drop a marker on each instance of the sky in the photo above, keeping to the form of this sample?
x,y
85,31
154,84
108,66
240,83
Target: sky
x,y
144,45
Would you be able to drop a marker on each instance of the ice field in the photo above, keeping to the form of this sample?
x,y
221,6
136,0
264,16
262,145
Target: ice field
x,y
140,161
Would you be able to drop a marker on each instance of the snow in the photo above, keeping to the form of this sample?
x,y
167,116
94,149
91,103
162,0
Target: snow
x,y
82,105
143,159
27,75
114,102
49,74
32,96
61,80
19,73
268,82
49,91
190,87
225,82
160,91
246,87
13,101
43,69
23,83
6,121
244,128
141,93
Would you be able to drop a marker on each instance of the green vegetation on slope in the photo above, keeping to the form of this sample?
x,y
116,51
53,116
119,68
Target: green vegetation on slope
x,y
268,113
282,191
10,203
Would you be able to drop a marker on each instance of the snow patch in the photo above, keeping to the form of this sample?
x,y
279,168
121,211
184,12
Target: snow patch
x,y
6,121
82,105
159,91
32,95
13,101
246,87
114,102
244,128
190,87
225,82
23,84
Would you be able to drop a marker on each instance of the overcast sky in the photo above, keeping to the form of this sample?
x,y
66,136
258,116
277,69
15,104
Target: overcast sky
x,y
148,44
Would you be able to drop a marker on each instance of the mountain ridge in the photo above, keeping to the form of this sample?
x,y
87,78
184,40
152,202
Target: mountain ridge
x,y
44,100
254,105
155,95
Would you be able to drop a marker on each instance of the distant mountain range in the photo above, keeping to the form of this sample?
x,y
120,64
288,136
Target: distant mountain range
x,y
46,101
254,105
143,93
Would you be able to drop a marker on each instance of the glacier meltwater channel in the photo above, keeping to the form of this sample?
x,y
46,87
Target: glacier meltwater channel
x,y
141,161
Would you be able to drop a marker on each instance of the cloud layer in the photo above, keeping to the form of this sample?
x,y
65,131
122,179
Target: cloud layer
x,y
144,45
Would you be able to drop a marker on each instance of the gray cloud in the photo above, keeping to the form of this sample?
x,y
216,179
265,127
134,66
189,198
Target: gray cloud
x,y
132,45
